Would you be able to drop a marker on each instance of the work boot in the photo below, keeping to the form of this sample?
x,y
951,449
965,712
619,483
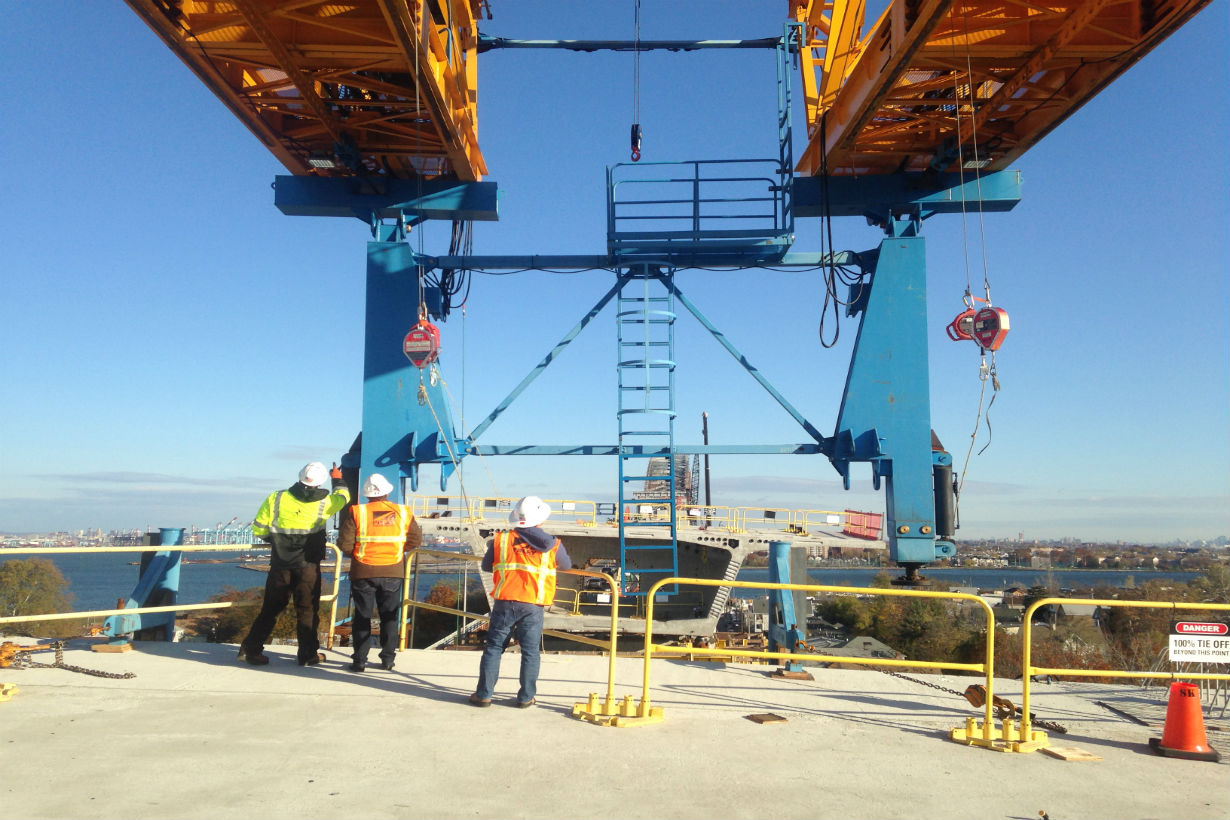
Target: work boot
x,y
357,666
312,661
254,658
387,666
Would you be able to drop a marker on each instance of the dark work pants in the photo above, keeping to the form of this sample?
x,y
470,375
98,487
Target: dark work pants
x,y
303,583
371,596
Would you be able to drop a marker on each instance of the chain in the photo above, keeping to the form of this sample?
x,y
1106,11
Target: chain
x,y
1004,708
22,661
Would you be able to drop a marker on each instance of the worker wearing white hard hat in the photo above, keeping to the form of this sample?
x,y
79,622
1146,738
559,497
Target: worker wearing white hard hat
x,y
522,563
293,522
377,536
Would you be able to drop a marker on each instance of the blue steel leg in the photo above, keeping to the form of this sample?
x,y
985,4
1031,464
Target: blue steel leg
x,y
157,585
784,631
885,415
399,432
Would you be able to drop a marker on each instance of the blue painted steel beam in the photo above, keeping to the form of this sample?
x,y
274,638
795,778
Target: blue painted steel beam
x,y
157,585
784,634
488,43
916,193
609,262
885,415
386,198
399,432
613,449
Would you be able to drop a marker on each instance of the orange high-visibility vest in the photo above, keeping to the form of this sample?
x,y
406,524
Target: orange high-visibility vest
x,y
522,573
380,532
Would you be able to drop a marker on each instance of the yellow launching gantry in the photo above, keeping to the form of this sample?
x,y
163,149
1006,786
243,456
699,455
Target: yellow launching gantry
x,y
981,79
340,88
389,87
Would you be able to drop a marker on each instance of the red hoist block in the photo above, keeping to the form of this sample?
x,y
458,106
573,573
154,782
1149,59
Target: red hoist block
x,y
990,327
960,327
422,344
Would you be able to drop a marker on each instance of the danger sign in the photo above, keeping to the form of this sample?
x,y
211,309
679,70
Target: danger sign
x,y
1196,642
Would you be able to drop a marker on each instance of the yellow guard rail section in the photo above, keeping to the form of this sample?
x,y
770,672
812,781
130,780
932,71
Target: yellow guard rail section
x,y
647,713
331,598
1028,670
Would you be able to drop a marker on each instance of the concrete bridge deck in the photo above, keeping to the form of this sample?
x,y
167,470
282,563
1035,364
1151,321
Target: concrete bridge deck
x,y
196,735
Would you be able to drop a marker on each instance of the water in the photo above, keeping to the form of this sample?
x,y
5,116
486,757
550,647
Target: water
x,y
97,581
998,578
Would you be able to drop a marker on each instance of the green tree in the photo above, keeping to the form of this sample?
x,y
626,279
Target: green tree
x,y
34,586
231,624
1214,586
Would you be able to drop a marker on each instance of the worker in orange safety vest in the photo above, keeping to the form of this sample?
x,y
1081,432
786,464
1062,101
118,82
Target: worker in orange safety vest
x,y
522,563
377,536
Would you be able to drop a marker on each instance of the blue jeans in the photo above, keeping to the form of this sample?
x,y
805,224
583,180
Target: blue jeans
x,y
512,619
371,597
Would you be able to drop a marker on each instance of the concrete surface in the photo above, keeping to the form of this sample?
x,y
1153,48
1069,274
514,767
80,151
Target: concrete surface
x,y
196,734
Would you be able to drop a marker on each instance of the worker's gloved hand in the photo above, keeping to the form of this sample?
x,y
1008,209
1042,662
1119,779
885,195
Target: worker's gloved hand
x,y
336,475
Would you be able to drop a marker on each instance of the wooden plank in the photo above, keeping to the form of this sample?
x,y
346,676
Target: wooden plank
x,y
766,717
112,647
1069,753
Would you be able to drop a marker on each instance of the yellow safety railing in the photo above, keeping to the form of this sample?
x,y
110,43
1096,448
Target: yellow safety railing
x,y
611,646
645,712
1028,670
177,607
717,518
732,519
481,508
805,519
764,518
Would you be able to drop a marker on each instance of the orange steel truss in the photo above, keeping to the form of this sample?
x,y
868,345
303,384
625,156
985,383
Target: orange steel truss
x,y
369,86
976,81
390,86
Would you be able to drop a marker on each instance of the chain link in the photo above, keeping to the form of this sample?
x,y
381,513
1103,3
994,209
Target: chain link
x,y
1001,712
22,661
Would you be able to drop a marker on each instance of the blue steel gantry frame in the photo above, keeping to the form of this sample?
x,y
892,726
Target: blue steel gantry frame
x,y
884,418
679,223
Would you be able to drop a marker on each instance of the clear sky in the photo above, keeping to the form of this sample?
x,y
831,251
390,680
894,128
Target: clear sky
x,y
174,348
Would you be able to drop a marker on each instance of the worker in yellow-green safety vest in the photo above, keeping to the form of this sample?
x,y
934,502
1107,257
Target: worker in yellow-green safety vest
x,y
377,536
293,522
522,564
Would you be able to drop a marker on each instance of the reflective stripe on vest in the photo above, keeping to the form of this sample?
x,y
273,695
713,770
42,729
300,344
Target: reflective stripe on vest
x,y
380,532
522,573
276,527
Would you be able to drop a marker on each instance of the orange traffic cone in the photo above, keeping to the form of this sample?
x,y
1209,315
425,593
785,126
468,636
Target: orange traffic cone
x,y
1183,735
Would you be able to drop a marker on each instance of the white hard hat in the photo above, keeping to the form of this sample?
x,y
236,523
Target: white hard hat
x,y
376,486
313,475
529,512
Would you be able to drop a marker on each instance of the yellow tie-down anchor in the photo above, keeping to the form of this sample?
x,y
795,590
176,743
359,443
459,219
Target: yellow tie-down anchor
x,y
1009,739
622,714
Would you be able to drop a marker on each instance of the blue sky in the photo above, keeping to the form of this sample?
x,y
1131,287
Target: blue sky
x,y
174,348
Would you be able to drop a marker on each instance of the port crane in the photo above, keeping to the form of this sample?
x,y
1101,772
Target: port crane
x,y
371,106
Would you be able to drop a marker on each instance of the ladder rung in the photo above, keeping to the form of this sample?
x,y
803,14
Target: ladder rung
x,y
646,315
